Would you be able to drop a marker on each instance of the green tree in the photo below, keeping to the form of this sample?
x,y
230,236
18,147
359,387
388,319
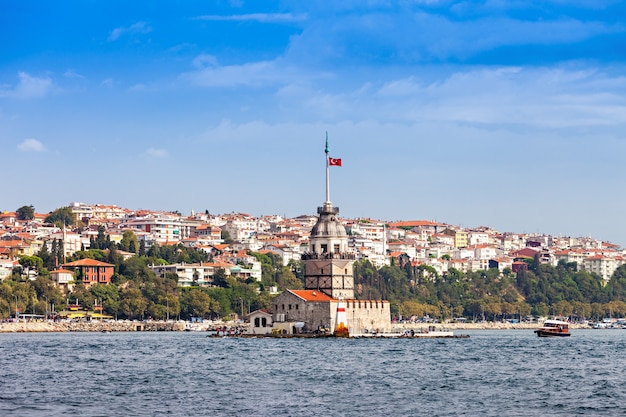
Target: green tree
x,y
286,279
108,296
31,263
25,213
101,241
62,216
226,237
132,303
196,302
219,278
46,257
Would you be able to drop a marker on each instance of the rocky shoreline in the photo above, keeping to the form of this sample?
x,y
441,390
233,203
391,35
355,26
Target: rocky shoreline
x,y
490,325
90,326
160,326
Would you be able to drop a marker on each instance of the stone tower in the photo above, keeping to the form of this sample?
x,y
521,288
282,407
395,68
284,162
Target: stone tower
x,y
328,265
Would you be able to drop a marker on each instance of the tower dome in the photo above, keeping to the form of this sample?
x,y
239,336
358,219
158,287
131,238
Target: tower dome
x,y
328,225
328,236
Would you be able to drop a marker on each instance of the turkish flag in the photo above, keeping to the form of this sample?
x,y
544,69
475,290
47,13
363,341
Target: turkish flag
x,y
334,162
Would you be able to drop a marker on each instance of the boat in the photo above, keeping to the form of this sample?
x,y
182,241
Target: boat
x,y
553,328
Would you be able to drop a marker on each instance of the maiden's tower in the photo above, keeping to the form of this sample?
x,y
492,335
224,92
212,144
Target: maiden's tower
x,y
329,282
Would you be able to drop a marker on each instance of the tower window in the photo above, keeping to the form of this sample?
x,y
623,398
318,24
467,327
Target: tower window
x,y
336,248
324,248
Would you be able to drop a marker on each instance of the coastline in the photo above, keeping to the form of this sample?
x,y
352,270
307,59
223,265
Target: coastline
x,y
490,325
90,326
177,326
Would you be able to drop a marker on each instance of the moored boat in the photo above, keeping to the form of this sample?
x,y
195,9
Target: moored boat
x,y
553,328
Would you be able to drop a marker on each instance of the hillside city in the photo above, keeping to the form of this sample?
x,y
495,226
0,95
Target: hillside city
x,y
232,244
439,245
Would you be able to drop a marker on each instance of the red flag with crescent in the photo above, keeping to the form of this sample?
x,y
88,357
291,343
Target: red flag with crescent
x,y
334,162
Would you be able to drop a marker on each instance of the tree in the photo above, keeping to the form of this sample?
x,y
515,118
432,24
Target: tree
x,y
108,296
132,303
219,278
101,241
63,216
132,246
25,213
46,256
197,302
31,262
287,279
226,237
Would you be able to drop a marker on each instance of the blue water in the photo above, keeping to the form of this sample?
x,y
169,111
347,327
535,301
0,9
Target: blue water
x,y
493,373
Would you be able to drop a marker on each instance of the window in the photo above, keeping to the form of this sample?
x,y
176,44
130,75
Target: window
x,y
297,305
324,248
289,306
336,248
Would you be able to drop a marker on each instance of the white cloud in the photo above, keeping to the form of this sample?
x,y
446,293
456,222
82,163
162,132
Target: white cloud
x,y
136,28
138,87
254,74
530,98
205,60
70,73
258,17
28,87
157,153
108,82
31,145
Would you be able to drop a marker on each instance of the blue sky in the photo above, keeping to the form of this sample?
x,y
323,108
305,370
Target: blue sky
x,y
508,114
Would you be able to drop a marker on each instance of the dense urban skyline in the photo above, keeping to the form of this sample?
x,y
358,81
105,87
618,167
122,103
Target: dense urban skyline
x,y
504,114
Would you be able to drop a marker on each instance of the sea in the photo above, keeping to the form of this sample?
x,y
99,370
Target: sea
x,y
491,373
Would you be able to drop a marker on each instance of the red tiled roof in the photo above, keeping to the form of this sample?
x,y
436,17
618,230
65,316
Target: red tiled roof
x,y
311,295
87,262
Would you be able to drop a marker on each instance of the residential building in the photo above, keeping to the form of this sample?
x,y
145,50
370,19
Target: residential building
x,y
90,271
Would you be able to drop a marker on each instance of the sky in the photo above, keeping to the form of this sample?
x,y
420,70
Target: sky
x,y
508,114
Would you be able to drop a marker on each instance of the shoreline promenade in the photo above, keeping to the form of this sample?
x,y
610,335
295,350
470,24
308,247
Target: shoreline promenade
x,y
147,326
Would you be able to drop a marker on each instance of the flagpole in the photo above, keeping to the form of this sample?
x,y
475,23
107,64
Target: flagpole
x,y
327,172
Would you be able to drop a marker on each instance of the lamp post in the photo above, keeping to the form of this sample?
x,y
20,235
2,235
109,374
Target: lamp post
x,y
15,296
241,299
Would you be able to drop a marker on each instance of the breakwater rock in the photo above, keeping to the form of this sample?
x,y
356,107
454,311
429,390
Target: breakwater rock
x,y
91,326
487,325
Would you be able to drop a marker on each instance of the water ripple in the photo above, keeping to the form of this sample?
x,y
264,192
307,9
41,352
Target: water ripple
x,y
493,373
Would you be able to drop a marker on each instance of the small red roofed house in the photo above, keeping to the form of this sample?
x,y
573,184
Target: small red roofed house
x,y
63,278
517,265
91,271
524,253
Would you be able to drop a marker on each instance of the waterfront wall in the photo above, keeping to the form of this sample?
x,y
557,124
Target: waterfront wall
x,y
488,325
134,326
90,326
